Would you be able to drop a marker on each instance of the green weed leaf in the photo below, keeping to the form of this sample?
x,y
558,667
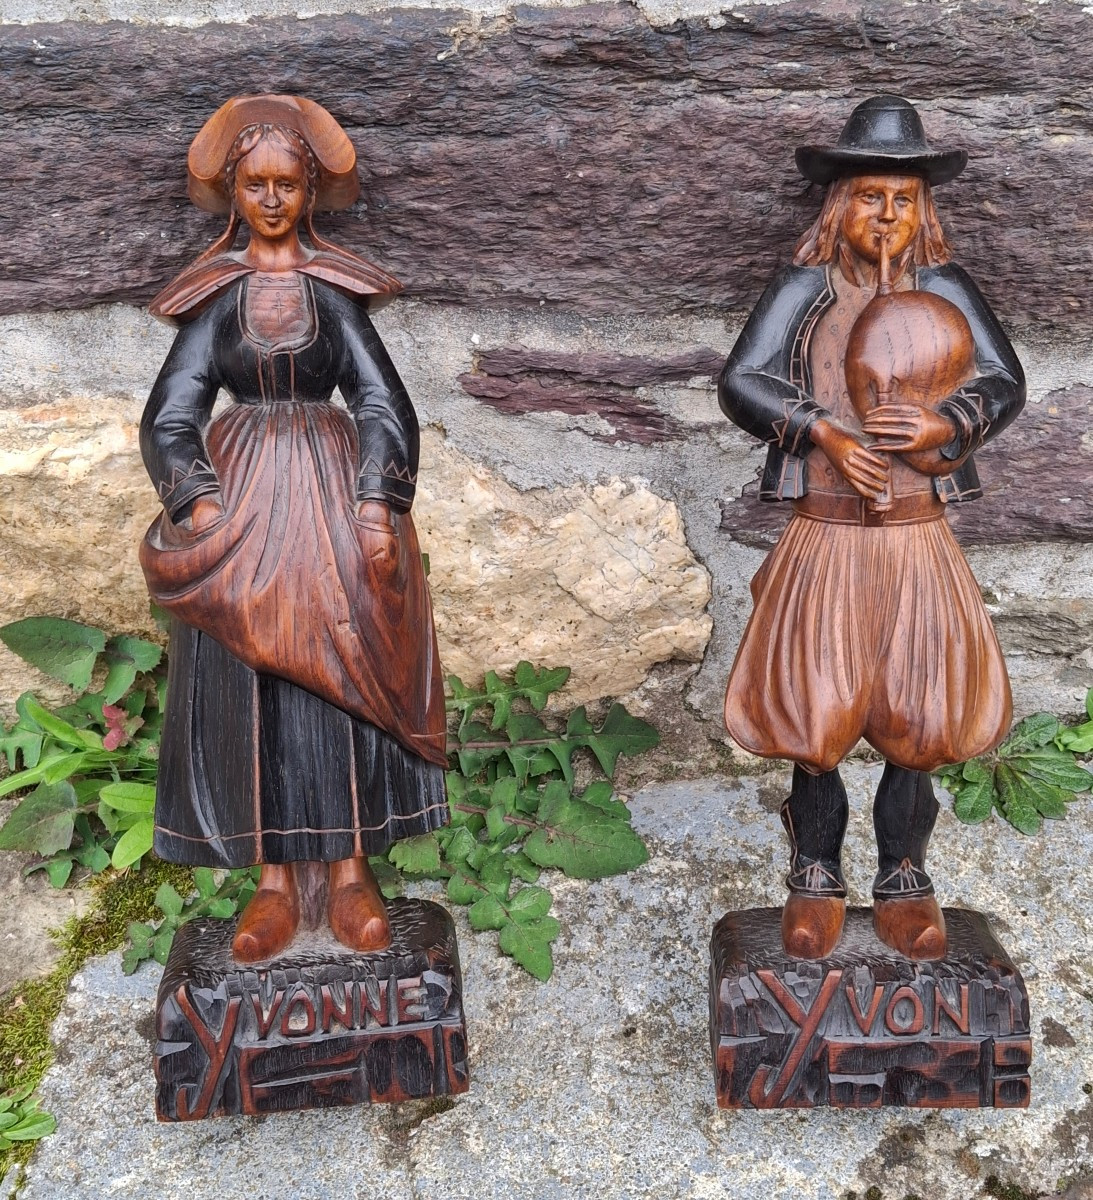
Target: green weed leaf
x,y
583,841
1054,766
129,797
161,943
31,1128
529,903
64,650
487,913
496,825
524,728
461,843
601,795
140,934
133,844
205,882
523,868
388,878
529,945
1048,800
463,888
621,734
168,901
42,822
1018,805
58,871
125,657
20,743
417,855
62,731
496,874
473,759
1034,731
1078,740
975,801
537,684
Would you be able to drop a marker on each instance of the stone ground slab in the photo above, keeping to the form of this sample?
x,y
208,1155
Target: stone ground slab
x,y
598,1083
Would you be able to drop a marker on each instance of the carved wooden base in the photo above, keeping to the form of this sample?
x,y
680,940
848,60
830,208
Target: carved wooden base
x,y
865,1027
318,1027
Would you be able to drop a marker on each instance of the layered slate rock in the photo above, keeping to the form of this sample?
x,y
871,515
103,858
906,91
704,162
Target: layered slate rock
x,y
576,157
516,380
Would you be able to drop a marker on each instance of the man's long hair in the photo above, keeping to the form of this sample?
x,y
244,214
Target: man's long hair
x,y
820,244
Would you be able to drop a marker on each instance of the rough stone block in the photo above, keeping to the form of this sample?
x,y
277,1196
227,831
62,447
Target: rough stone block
x,y
491,177
866,1027
319,1027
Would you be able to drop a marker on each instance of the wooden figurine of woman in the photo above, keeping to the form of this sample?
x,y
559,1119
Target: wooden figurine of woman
x,y
305,714
874,369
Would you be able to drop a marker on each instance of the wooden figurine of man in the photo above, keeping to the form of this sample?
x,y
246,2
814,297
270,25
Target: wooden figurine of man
x,y
867,621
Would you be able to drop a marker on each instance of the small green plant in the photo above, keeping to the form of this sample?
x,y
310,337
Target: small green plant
x,y
514,811
218,894
516,808
20,1119
91,763
1034,774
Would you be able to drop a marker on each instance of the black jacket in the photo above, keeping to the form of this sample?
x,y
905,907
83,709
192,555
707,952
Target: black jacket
x,y
765,386
342,350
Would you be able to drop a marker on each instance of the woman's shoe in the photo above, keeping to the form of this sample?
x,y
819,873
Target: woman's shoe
x,y
355,909
270,920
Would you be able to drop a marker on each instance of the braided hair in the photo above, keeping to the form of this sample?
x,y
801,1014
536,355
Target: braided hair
x,y
295,144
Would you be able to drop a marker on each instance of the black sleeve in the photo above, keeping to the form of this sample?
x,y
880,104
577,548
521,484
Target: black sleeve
x,y
179,408
753,389
387,428
985,405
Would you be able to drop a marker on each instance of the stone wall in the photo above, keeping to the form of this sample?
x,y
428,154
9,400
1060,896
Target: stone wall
x,y
583,202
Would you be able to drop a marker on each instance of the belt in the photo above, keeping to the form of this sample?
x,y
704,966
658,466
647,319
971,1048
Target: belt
x,y
915,509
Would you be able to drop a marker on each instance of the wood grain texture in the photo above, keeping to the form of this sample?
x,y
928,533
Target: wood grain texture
x,y
1035,483
317,1027
577,157
863,1027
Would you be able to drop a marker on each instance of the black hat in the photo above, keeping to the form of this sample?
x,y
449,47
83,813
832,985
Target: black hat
x,y
884,135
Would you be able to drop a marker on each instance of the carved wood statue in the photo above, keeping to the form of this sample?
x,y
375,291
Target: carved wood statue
x,y
305,714
874,369
304,728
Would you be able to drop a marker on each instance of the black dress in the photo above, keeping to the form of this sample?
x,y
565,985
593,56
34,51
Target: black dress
x,y
305,712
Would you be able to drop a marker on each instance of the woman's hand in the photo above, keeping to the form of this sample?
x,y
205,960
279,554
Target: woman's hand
x,y
900,428
378,536
206,511
865,471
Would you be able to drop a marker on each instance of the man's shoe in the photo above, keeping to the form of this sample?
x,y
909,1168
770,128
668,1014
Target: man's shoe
x,y
812,925
914,926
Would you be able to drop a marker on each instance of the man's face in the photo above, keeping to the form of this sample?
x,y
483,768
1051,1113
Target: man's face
x,y
882,206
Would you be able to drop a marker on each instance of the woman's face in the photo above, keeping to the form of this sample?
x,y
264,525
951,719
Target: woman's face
x,y
271,190
882,206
